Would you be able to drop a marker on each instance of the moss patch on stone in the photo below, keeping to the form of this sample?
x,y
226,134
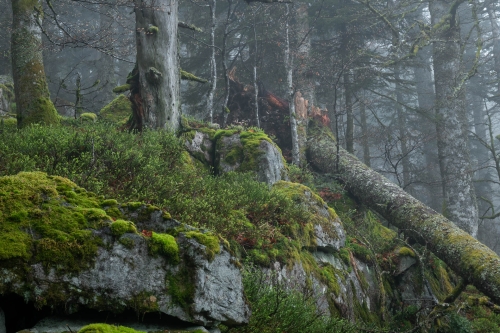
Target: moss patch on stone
x,y
208,239
48,219
117,111
165,245
106,328
120,227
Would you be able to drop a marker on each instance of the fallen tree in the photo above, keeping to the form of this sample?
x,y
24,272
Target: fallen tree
x,y
473,261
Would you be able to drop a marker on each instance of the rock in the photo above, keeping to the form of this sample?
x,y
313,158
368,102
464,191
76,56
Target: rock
x,y
271,164
328,230
200,146
95,263
3,329
57,324
250,151
405,262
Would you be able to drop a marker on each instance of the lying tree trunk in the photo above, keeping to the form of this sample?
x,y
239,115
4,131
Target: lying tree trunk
x,y
473,261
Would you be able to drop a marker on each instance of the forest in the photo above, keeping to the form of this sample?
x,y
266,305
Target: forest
x,y
325,166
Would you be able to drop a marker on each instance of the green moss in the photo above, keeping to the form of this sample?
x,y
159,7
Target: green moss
x,y
166,216
405,251
88,116
152,29
39,223
191,77
127,242
121,89
20,7
119,227
109,202
105,328
133,206
41,111
210,241
165,245
8,121
117,111
8,92
181,287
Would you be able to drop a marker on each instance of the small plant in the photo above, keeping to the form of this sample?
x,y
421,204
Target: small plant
x,y
276,308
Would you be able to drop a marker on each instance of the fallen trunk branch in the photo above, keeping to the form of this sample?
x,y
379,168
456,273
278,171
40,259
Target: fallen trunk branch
x,y
473,261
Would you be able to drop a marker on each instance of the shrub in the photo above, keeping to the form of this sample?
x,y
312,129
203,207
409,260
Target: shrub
x,y
277,309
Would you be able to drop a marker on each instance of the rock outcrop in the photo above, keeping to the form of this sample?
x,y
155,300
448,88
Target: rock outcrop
x,y
237,150
64,247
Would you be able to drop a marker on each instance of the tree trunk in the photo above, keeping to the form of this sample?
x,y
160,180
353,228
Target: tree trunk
x,y
495,31
401,119
291,92
156,78
364,127
473,261
451,120
32,94
426,98
213,63
349,130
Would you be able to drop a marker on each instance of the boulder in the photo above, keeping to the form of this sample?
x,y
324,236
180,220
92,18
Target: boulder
x,y
328,230
200,146
249,150
64,247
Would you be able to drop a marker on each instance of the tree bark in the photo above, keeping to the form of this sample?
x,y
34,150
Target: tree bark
x,y
156,97
451,119
33,104
425,96
291,92
473,261
213,62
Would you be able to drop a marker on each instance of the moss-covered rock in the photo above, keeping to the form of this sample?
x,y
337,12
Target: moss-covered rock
x,y
117,111
249,150
48,219
60,248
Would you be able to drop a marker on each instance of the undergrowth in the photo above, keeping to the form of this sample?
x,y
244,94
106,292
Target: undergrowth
x,y
152,167
276,308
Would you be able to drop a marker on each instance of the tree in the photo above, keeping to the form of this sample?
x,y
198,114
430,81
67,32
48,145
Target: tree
x,y
154,82
33,104
451,118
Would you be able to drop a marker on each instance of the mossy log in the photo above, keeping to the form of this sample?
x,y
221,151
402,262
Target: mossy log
x,y
473,261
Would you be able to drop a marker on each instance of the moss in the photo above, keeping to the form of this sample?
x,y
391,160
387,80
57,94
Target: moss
x,y
166,216
191,77
210,241
405,251
20,7
8,121
117,111
152,30
48,219
7,92
41,111
109,203
129,243
105,328
121,89
165,245
181,287
133,206
119,227
88,116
